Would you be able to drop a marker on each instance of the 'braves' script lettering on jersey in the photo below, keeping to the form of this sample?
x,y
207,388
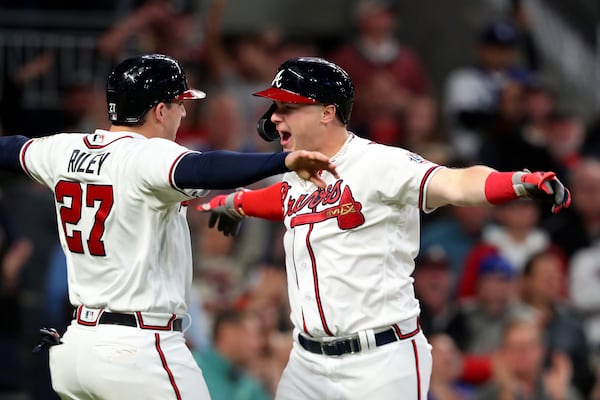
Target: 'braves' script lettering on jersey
x,y
347,211
85,162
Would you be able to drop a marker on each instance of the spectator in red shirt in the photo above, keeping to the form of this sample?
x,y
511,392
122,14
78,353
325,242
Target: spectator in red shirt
x,y
386,73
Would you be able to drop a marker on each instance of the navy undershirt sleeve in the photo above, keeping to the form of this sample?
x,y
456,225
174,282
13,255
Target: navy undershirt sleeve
x,y
227,169
10,147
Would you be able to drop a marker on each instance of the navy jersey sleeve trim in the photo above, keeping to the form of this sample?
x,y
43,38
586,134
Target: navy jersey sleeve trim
x,y
10,148
226,169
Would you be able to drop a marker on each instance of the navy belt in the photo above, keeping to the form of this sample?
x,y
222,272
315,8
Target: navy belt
x,y
349,345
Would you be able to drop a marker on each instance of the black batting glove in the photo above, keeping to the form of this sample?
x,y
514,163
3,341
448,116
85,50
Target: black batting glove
x,y
223,214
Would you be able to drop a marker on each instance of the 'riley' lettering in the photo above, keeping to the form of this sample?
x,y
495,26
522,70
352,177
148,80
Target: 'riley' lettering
x,y
81,161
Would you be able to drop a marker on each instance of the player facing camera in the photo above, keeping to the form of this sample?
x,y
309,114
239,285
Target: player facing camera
x,y
350,246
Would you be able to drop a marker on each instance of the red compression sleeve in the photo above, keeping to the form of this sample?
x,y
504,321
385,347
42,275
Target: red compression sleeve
x,y
499,188
263,203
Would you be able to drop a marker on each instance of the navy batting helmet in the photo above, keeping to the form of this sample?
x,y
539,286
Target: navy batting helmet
x,y
307,80
139,83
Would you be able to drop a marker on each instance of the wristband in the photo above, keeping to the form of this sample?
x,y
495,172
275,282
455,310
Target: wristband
x,y
237,202
499,188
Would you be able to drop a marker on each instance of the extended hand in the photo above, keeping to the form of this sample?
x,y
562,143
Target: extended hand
x,y
309,164
223,214
542,186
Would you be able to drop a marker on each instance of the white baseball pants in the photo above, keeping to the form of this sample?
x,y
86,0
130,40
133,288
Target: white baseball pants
x,y
400,369
121,362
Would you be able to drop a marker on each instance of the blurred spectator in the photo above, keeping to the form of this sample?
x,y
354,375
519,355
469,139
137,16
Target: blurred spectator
x,y
241,64
467,284
82,104
447,365
515,232
266,296
32,209
224,125
58,311
518,368
12,114
433,289
473,94
218,274
238,339
591,146
478,322
564,138
517,13
14,252
553,143
542,287
82,107
579,226
526,145
505,124
386,73
457,233
584,290
423,133
155,26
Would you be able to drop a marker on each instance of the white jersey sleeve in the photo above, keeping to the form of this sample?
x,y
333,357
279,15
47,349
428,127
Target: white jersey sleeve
x,y
155,166
400,176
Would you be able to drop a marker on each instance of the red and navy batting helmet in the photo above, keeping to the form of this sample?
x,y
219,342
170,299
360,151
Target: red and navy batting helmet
x,y
308,80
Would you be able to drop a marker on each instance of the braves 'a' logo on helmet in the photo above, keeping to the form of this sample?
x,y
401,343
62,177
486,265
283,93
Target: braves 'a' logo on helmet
x,y
277,80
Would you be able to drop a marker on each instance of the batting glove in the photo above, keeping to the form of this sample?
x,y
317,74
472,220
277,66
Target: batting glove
x,y
224,213
543,186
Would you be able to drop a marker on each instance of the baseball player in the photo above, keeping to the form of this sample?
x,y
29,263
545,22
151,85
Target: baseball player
x,y
121,197
350,246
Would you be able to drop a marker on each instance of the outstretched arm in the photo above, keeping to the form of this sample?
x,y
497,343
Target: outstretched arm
x,y
480,185
10,148
228,170
227,210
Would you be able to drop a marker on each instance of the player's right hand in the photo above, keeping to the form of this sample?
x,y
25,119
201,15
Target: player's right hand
x,y
223,214
309,165
542,186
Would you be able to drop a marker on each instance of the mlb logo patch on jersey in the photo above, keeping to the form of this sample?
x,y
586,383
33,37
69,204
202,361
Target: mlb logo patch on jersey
x,y
415,158
96,138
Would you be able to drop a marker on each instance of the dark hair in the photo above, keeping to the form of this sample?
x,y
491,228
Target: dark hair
x,y
550,250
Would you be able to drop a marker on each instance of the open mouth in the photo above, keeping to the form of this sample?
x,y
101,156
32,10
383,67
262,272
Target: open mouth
x,y
284,137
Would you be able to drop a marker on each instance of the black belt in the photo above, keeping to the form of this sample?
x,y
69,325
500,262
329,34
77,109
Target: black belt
x,y
111,318
350,345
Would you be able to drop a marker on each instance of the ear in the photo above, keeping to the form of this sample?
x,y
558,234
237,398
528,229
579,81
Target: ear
x,y
159,111
328,113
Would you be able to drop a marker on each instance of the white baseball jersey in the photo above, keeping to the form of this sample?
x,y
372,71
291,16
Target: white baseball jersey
x,y
350,249
122,221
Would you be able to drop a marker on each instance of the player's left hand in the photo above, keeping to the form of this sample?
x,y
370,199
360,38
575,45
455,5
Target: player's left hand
x,y
223,214
309,164
542,186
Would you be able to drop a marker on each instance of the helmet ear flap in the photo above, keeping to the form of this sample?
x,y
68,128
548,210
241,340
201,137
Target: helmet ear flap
x,y
266,128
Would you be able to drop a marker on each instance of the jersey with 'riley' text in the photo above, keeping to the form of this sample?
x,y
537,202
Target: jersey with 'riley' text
x,y
121,218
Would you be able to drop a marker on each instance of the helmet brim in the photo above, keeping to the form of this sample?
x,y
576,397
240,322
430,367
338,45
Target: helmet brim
x,y
284,96
191,94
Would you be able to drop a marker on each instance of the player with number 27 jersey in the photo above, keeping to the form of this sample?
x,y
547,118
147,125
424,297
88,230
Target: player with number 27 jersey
x,y
139,192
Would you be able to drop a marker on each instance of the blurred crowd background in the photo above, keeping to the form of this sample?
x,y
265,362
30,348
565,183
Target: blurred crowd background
x,y
510,295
